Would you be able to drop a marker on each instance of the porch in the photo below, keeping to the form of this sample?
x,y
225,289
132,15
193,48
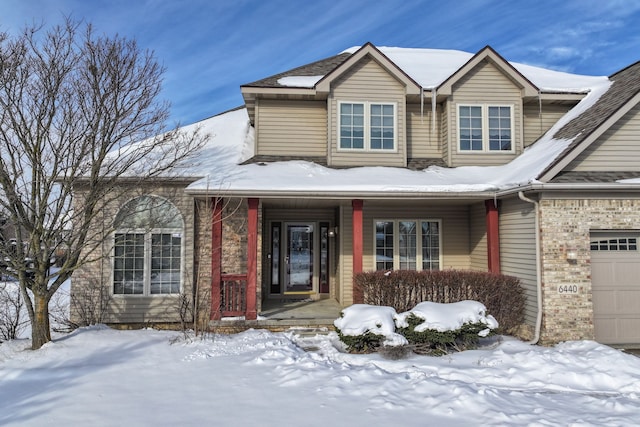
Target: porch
x,y
301,255
281,315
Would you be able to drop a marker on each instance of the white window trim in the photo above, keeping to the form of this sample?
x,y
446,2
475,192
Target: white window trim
x,y
367,127
485,129
146,287
396,241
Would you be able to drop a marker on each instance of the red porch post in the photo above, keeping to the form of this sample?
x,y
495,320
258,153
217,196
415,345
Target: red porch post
x,y
252,259
358,296
216,259
493,236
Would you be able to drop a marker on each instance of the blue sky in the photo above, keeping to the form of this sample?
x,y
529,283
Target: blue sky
x,y
211,47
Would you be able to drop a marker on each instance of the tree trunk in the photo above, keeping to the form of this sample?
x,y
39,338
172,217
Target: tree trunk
x,y
40,332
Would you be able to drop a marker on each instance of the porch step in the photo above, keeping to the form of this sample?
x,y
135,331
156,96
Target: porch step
x,y
305,337
309,332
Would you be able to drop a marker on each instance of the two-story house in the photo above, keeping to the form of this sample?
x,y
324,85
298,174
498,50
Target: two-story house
x,y
391,158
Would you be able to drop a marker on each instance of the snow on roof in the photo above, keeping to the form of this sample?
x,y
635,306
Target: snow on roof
x,y
218,166
431,67
299,81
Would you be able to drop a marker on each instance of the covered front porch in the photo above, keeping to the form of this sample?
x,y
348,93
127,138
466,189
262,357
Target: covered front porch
x,y
301,255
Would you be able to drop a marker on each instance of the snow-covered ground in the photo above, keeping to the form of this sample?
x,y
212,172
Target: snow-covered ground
x,y
102,377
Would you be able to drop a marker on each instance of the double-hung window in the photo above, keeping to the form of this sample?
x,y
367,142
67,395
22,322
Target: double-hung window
x,y
485,128
147,252
367,126
407,244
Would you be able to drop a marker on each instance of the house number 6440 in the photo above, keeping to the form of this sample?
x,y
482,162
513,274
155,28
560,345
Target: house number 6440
x,y
568,289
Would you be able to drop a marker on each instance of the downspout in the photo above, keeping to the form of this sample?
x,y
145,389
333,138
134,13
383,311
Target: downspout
x,y
536,336
421,105
434,107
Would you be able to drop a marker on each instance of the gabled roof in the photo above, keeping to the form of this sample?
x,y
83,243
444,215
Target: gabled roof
x,y
369,50
489,54
584,129
428,69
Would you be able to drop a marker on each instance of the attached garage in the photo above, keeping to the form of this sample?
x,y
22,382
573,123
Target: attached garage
x,y
615,281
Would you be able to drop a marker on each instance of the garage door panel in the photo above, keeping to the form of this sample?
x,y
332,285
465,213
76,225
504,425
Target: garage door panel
x,y
605,301
601,271
605,329
629,329
628,301
615,280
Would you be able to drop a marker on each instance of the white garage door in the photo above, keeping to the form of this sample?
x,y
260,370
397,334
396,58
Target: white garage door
x,y
615,279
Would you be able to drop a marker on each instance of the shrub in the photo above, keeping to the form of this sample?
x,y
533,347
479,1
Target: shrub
x,y
431,341
403,289
364,343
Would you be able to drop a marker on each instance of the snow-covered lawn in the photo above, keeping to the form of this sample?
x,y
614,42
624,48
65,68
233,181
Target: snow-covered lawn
x,y
102,377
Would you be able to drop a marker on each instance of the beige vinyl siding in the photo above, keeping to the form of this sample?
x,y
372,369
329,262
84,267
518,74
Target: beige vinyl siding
x,y
615,150
286,128
537,121
368,82
140,309
478,237
518,249
445,135
485,84
454,233
422,139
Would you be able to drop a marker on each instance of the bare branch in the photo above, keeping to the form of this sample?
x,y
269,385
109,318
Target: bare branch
x,y
78,113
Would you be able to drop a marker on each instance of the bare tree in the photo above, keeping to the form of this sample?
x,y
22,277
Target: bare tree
x,y
79,115
12,321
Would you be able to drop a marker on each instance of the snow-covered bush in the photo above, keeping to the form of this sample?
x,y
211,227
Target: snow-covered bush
x,y
437,328
404,289
429,327
363,328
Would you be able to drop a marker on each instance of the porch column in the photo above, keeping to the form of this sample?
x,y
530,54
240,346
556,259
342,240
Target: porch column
x,y
216,259
252,259
356,204
493,236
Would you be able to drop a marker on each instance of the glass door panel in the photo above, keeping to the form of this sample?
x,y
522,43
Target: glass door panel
x,y
299,258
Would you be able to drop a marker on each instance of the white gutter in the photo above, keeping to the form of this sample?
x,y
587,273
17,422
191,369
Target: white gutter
x,y
346,195
536,336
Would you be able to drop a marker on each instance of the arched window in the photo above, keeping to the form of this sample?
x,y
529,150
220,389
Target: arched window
x,y
147,248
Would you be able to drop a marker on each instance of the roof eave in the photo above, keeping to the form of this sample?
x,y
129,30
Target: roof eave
x,y
594,187
348,195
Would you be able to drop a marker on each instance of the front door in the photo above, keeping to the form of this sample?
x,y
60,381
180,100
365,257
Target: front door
x,y
299,258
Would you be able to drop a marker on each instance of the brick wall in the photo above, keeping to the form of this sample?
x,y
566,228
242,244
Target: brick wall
x,y
234,244
565,227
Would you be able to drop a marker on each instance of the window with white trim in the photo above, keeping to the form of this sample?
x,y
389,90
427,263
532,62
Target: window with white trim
x,y
367,126
407,244
147,251
485,128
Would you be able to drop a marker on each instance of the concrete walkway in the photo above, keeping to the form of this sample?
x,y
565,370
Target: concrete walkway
x,y
326,310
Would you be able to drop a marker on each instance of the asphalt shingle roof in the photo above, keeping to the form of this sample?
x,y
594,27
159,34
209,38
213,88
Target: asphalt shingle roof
x,y
626,84
318,68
